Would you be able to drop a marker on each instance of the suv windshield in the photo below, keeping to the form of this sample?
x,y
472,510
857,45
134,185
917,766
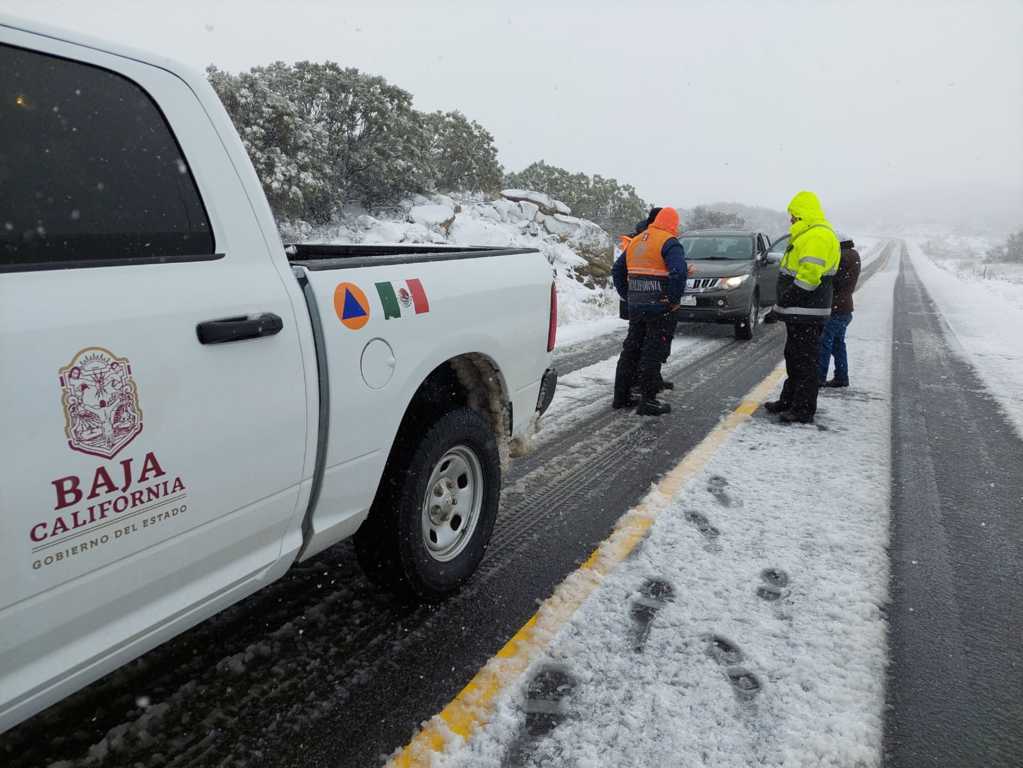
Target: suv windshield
x,y
737,248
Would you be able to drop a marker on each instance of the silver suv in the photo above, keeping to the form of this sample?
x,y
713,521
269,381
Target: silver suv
x,y
731,278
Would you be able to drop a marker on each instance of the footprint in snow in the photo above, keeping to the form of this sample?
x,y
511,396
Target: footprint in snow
x,y
702,524
775,581
745,683
547,706
716,486
723,650
653,596
726,653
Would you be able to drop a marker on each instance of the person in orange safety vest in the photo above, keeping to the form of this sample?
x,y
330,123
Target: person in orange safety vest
x,y
650,276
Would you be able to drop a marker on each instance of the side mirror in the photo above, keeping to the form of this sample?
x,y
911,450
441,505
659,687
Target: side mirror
x,y
773,257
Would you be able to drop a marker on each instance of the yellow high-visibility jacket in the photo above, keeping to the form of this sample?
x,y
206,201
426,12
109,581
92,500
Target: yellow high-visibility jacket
x,y
809,265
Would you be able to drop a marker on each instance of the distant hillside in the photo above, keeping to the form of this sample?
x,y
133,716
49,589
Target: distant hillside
x,y
774,223
972,210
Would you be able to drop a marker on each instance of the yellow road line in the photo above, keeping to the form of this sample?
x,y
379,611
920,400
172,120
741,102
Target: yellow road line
x,y
474,704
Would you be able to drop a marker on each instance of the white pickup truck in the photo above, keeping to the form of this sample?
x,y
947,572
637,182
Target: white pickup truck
x,y
188,406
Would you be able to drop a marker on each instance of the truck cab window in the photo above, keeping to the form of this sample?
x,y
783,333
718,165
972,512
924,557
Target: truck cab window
x,y
90,172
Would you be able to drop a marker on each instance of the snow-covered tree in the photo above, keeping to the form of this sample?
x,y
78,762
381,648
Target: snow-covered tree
x,y
1010,250
375,144
321,135
461,153
287,150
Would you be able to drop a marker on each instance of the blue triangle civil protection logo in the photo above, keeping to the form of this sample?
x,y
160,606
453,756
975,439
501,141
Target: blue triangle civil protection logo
x,y
352,307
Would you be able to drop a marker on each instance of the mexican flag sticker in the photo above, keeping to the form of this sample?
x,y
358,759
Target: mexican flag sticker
x,y
402,299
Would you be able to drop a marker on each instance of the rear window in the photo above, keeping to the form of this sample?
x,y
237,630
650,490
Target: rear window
x,y
90,172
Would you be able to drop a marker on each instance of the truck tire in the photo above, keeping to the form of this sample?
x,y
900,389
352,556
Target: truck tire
x,y
745,329
435,511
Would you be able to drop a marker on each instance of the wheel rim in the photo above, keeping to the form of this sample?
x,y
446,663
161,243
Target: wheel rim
x,y
754,313
454,498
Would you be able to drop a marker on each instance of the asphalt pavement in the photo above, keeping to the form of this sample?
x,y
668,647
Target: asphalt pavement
x,y
955,688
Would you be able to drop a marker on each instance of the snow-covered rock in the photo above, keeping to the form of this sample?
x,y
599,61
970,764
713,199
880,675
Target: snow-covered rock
x,y
579,250
545,202
529,210
431,214
386,232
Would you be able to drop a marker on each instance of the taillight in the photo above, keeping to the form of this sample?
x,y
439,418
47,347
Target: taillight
x,y
552,330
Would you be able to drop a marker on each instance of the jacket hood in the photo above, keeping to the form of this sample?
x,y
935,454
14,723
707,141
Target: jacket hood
x,y
807,208
667,220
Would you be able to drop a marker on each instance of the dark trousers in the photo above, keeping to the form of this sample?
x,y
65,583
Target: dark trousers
x,y
671,326
833,344
802,357
645,348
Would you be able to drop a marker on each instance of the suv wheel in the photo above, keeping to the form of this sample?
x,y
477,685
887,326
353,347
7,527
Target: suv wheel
x,y
745,329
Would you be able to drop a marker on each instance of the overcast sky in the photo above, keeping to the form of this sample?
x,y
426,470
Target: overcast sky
x,y
689,101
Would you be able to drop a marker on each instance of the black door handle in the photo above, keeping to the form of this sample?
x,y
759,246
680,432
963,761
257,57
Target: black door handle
x,y
238,328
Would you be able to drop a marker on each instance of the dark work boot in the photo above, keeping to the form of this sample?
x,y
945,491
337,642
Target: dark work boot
x,y
667,385
788,417
776,406
653,407
625,402
835,383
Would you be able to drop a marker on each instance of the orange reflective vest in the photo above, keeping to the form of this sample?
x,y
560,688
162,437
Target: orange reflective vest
x,y
643,256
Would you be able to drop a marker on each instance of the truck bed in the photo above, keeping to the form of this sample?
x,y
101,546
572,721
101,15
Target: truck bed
x,y
317,257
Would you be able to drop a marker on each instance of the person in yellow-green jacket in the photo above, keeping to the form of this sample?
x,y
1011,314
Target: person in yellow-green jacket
x,y
804,304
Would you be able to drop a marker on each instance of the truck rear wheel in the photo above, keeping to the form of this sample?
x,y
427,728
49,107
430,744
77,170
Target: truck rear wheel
x,y
433,516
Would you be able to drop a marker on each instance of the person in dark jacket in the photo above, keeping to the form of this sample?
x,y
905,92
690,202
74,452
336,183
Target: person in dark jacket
x,y
833,337
651,276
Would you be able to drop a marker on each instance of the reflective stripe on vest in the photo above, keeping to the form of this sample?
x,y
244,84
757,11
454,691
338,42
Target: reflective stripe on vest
x,y
808,311
643,256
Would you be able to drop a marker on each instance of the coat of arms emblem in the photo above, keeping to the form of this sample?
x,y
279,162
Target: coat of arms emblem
x,y
101,403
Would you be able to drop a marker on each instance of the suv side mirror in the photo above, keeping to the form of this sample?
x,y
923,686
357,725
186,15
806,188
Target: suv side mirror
x,y
773,257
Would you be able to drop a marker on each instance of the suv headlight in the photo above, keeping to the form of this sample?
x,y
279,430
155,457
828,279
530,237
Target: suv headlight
x,y
734,282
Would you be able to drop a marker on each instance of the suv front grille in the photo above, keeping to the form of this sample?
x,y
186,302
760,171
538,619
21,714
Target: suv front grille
x,y
700,284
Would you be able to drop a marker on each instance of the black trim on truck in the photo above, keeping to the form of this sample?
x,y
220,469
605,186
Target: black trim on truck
x,y
317,257
323,427
133,261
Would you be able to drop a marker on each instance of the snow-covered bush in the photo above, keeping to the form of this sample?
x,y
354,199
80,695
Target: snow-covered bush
x,y
613,206
735,215
703,217
1011,250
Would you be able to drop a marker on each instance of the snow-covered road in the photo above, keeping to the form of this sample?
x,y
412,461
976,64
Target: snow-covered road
x,y
748,627
984,323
